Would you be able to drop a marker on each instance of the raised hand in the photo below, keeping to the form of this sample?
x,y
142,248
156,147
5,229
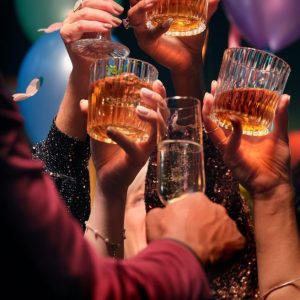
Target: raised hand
x,y
200,224
95,16
120,163
259,163
175,53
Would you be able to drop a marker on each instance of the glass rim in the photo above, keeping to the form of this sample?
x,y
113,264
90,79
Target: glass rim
x,y
124,59
152,68
262,52
195,101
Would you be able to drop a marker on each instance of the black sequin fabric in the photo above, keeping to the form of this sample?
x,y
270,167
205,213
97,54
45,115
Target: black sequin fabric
x,y
239,281
66,161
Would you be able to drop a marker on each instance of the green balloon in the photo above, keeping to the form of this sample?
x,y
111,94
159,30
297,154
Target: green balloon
x,y
36,14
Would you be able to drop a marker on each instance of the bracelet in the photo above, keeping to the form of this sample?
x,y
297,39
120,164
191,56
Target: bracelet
x,y
277,287
114,247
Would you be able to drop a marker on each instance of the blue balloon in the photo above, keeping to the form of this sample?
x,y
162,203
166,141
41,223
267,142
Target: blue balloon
x,y
47,58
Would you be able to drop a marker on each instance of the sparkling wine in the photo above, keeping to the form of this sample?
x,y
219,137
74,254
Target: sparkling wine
x,y
180,169
255,107
112,103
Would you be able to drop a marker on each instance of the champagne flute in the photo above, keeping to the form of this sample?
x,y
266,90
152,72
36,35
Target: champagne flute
x,y
180,160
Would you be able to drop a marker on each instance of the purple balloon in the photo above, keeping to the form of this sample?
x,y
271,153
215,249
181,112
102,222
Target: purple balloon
x,y
268,24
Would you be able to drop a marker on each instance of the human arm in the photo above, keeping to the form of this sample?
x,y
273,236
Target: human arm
x,y
116,166
181,55
95,16
65,152
44,251
66,161
262,165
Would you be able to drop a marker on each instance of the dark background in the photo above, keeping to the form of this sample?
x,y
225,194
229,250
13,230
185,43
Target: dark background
x,y
14,46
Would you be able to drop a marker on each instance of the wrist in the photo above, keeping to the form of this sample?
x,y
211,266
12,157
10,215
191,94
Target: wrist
x,y
79,81
194,75
278,193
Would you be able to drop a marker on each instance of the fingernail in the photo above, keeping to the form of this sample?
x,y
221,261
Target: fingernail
x,y
149,3
234,119
167,23
107,26
142,110
146,93
118,8
159,83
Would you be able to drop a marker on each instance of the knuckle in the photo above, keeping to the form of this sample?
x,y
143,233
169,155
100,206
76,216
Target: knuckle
x,y
80,26
83,13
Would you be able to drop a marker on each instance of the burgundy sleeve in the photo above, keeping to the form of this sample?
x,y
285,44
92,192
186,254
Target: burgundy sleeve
x,y
45,252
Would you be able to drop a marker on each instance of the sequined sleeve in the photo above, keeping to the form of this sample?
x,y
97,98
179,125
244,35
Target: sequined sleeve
x,y
66,160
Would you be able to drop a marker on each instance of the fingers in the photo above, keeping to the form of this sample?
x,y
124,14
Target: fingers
x,y
94,17
155,100
160,29
84,104
213,87
212,7
234,141
138,10
125,143
91,14
281,118
214,132
159,88
108,5
152,99
153,219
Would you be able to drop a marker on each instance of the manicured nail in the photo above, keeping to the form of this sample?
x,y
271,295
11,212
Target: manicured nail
x,y
107,26
149,3
146,93
159,83
142,110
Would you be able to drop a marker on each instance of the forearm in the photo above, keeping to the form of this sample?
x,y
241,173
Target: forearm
x,y
70,120
277,240
190,82
68,168
107,217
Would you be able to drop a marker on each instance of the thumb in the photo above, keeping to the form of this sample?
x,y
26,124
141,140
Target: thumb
x,y
84,104
160,29
281,118
153,230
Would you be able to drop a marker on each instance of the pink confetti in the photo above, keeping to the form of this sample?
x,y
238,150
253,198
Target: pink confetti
x,y
31,90
51,28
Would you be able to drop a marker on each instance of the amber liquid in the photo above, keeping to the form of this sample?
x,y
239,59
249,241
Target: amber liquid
x,y
188,16
112,103
255,108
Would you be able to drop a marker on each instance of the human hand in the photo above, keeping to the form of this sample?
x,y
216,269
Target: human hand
x,y
178,54
260,163
95,16
199,223
119,163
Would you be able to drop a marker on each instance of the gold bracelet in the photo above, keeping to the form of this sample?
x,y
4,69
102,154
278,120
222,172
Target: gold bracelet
x,y
114,247
279,286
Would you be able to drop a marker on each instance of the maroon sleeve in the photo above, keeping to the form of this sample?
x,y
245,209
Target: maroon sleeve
x,y
45,255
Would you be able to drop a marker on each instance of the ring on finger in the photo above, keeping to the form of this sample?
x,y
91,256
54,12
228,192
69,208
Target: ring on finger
x,y
126,23
78,5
